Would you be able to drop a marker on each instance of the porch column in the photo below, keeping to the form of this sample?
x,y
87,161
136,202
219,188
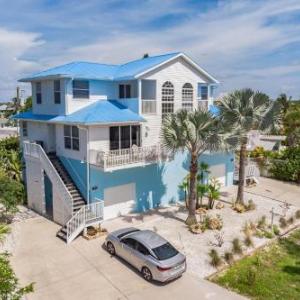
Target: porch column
x,y
139,94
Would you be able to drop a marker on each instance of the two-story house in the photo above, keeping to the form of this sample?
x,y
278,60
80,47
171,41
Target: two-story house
x,y
94,133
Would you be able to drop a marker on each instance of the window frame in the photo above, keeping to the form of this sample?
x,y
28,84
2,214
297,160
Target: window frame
x,y
167,98
118,142
187,94
203,86
71,140
57,91
25,129
38,92
125,91
80,89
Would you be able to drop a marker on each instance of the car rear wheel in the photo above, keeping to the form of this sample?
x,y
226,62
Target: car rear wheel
x,y
110,248
146,273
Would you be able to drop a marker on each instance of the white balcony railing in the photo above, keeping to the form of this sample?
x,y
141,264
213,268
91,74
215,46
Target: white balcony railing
x,y
203,104
148,106
126,157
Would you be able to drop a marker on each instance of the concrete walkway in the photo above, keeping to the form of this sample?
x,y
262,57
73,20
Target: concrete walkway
x,y
84,270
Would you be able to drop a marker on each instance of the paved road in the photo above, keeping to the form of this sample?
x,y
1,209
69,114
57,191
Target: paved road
x,y
84,270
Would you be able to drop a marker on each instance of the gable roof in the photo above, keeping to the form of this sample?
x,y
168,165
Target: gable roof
x,y
100,112
131,70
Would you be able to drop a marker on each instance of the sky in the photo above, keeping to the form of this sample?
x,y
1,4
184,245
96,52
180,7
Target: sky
x,y
253,43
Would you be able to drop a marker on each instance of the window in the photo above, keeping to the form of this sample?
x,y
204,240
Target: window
x,y
81,89
203,92
167,98
165,251
124,91
71,137
142,249
124,137
24,128
129,242
57,91
38,92
187,97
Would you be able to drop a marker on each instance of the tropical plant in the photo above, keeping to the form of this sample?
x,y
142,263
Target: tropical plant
x,y
184,186
202,189
216,260
236,246
4,229
213,192
228,256
284,102
9,287
196,132
203,171
242,111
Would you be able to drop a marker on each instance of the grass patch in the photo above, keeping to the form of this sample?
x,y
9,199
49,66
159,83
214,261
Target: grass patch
x,y
271,273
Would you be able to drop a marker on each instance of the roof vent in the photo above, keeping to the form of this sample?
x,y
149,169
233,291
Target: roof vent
x,y
146,55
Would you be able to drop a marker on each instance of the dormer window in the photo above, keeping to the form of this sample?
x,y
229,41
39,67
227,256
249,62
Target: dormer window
x,y
124,91
81,89
57,91
38,92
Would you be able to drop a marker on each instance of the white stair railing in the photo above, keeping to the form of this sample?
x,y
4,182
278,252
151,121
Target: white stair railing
x,y
36,151
87,215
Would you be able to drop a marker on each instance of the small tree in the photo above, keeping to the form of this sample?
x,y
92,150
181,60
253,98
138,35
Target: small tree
x,y
196,132
242,111
213,192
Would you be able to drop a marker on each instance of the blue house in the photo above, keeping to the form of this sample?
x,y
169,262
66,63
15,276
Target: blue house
x,y
92,140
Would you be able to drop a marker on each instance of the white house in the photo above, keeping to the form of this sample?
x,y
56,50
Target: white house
x,y
94,134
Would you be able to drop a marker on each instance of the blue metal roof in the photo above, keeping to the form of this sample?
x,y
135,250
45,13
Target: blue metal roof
x,y
29,115
98,71
100,112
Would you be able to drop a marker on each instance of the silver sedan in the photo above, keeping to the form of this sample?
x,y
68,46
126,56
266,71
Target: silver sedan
x,y
148,252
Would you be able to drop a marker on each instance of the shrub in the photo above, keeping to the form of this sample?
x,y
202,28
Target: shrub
x,y
239,208
276,230
214,223
236,246
251,205
196,228
259,234
297,214
291,220
287,167
283,223
268,234
262,222
228,256
216,260
248,241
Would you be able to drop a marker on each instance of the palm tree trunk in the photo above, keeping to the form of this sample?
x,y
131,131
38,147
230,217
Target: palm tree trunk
x,y
191,219
240,193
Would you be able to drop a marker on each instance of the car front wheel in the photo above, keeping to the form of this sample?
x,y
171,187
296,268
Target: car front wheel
x,y
110,248
146,273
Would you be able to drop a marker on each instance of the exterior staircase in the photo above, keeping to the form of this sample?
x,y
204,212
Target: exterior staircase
x,y
79,215
78,200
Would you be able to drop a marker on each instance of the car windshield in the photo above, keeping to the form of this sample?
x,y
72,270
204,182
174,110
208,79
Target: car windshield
x,y
165,251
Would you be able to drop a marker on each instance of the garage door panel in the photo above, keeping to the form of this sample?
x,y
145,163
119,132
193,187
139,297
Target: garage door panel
x,y
119,200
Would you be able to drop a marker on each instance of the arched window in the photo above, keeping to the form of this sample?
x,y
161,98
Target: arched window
x,y
187,97
167,98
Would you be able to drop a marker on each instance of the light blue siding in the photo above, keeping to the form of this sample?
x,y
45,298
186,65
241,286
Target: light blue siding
x,y
131,103
156,184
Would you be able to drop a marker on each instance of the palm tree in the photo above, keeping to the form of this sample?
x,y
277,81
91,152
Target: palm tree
x,y
242,111
195,132
203,170
284,102
201,191
213,192
185,186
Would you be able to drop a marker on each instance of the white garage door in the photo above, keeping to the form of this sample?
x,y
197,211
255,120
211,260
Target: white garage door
x,y
119,200
219,171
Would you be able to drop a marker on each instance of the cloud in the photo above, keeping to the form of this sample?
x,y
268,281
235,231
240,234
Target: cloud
x,y
14,45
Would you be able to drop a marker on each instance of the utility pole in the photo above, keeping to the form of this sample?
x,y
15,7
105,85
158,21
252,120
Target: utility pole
x,y
18,99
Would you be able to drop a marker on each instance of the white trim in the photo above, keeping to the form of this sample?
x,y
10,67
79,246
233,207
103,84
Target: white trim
x,y
190,61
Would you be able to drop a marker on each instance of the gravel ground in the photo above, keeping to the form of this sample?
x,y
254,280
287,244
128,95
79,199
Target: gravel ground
x,y
12,238
197,246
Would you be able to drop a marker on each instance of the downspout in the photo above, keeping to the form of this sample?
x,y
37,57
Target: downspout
x,y
87,163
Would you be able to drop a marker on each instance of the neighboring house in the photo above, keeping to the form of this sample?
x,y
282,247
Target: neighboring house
x,y
94,133
268,142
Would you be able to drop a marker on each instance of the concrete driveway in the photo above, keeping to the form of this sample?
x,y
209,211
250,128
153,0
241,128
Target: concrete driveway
x,y
84,270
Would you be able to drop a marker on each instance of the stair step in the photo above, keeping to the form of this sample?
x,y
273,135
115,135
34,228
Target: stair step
x,y
62,235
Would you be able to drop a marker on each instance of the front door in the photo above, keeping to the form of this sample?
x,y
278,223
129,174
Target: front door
x,y
48,196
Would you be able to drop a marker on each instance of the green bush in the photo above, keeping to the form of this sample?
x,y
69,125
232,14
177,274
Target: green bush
x,y
228,256
216,260
276,230
287,167
236,246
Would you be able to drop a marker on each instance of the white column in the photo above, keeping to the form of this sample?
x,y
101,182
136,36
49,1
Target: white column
x,y
139,90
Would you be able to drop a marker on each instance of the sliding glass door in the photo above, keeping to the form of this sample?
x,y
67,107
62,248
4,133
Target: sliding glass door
x,y
124,137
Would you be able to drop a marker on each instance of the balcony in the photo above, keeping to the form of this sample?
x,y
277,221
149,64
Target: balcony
x,y
148,106
128,158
